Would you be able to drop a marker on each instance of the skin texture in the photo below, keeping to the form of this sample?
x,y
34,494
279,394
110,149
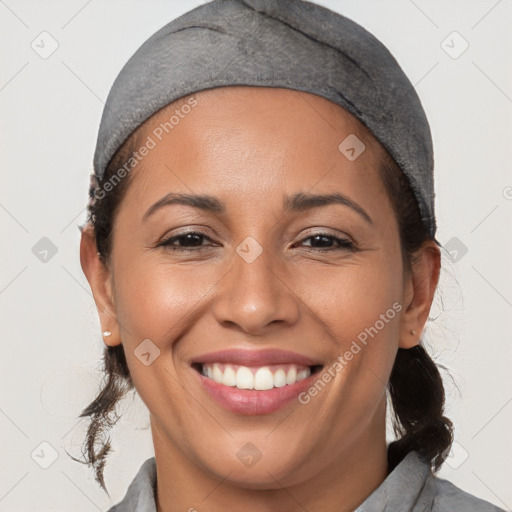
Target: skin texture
x,y
250,147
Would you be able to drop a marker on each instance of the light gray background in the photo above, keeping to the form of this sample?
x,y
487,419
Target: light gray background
x,y
51,343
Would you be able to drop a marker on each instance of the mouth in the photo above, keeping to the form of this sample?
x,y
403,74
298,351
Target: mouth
x,y
255,390
255,381
258,378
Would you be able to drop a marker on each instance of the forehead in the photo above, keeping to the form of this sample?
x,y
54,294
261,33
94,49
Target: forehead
x,y
241,142
272,105
257,120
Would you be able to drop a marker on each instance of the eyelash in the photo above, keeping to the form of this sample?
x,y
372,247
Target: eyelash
x,y
344,244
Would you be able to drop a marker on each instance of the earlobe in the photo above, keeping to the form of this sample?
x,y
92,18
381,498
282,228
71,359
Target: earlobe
x,y
419,290
98,277
109,338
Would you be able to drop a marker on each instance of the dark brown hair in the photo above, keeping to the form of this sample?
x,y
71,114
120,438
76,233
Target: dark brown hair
x,y
415,385
415,388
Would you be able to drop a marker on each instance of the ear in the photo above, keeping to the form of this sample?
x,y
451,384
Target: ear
x,y
99,278
419,289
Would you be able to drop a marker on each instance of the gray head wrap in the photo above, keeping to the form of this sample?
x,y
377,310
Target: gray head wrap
x,y
275,43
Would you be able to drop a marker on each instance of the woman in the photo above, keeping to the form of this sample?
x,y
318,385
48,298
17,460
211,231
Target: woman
x,y
261,249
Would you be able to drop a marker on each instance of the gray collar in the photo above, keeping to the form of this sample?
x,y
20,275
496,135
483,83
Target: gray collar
x,y
407,488
410,487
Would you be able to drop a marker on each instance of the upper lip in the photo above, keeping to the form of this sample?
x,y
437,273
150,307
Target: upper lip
x,y
262,357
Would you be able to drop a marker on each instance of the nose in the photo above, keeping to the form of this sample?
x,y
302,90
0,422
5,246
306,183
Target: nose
x,y
252,296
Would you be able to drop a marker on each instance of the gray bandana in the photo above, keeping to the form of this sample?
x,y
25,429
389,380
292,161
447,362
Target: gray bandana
x,y
275,43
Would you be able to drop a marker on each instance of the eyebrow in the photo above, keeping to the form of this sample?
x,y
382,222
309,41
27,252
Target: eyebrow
x,y
298,202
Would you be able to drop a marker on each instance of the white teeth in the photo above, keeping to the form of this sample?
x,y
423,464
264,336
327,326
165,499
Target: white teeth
x,y
244,378
229,378
217,373
291,376
266,377
280,378
303,374
263,379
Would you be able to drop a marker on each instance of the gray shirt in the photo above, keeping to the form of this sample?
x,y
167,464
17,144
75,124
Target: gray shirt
x,y
410,487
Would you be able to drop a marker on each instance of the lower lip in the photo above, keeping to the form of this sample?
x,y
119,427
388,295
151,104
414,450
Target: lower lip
x,y
252,402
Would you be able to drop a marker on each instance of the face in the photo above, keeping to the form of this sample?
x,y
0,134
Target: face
x,y
262,274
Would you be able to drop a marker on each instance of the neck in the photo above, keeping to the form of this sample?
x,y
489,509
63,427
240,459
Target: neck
x,y
341,486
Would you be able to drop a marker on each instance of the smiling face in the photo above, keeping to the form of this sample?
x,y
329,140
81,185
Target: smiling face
x,y
269,265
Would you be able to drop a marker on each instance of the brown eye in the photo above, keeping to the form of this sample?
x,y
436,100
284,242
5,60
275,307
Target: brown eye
x,y
319,241
189,241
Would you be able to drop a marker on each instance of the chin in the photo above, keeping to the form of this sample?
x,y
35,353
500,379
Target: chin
x,y
262,474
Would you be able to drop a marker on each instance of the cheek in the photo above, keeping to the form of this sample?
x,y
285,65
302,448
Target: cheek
x,y
360,306
352,297
157,300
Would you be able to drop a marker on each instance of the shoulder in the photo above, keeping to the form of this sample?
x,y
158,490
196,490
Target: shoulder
x,y
447,497
140,496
